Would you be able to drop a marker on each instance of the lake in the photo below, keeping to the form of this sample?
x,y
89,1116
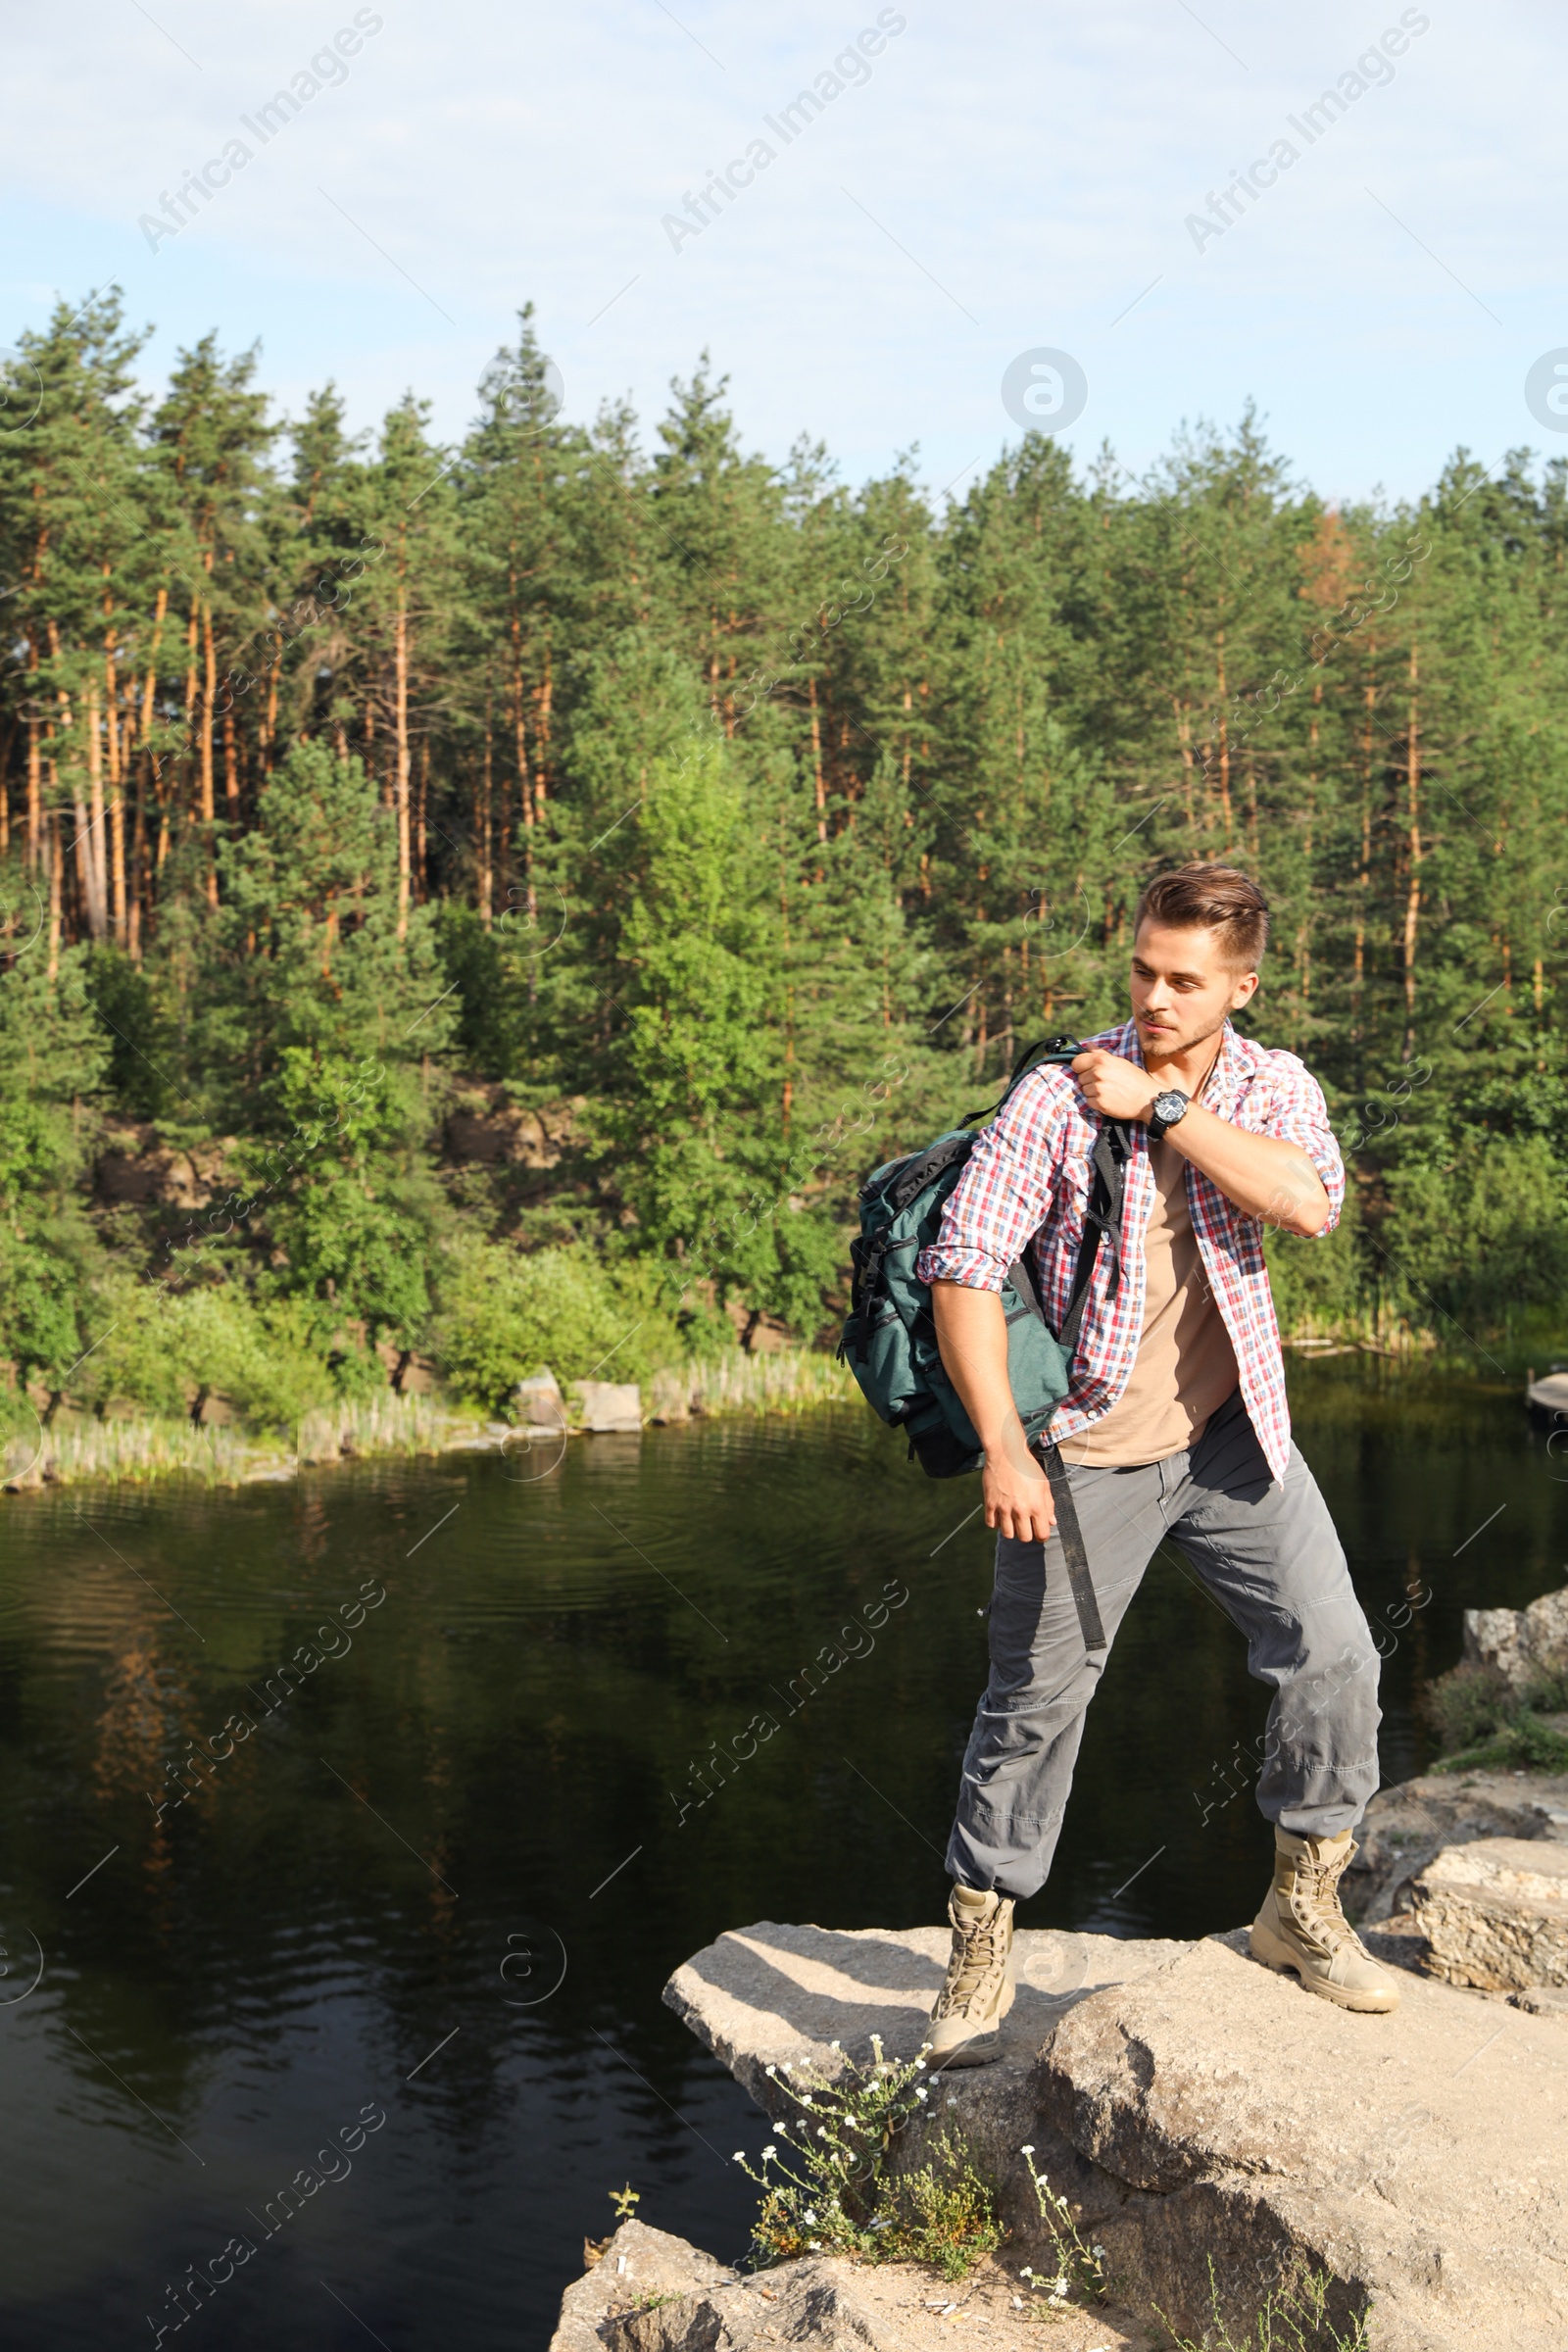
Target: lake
x,y
392,1927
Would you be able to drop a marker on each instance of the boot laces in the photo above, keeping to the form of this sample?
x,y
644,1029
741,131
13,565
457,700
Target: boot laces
x,y
978,1951
1316,1900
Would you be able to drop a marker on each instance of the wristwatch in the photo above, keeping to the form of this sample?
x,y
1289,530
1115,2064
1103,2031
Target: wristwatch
x,y
1170,1104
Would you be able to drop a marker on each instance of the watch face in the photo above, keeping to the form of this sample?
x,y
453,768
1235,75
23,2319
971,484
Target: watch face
x,y
1168,1107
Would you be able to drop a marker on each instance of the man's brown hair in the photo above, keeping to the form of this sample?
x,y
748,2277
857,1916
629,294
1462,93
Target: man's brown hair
x,y
1214,897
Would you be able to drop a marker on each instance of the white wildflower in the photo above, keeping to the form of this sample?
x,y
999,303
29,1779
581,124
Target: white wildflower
x,y
809,2215
768,2151
1028,2148
740,2155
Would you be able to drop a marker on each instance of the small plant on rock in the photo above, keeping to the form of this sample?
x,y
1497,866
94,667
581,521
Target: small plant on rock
x,y
1294,2319
829,2187
626,2202
1080,2267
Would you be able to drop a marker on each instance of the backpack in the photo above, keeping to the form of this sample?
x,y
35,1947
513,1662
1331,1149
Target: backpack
x,y
890,1341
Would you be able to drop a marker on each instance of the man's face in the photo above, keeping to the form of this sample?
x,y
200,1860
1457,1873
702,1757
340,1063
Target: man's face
x,y
1182,988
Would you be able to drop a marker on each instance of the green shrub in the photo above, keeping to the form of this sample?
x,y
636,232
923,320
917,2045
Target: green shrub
x,y
1319,1285
507,1312
1482,1231
1484,1723
164,1345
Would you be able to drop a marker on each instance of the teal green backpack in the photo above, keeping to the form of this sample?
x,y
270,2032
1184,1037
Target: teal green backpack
x,y
890,1341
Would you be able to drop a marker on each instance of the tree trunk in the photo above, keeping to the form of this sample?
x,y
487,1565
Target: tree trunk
x,y
524,778
117,796
400,659
1224,742
52,851
1412,904
139,863
90,831
420,875
205,747
483,845
1364,879
816,765
34,801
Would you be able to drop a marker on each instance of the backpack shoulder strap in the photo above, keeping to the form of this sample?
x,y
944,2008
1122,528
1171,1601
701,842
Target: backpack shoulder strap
x,y
1102,1217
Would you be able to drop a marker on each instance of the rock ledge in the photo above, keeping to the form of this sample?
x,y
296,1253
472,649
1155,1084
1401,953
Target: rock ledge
x,y
1195,2106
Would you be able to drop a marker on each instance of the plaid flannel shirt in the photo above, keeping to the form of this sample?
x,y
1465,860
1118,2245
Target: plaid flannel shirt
x,y
1030,1175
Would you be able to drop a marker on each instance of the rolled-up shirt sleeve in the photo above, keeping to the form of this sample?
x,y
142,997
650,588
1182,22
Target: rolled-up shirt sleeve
x,y
1004,1195
1300,1115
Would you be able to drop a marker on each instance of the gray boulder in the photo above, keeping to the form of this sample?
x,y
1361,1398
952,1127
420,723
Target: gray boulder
x,y
609,1404
1523,1645
1495,1914
540,1403
651,2293
1407,1824
1195,2108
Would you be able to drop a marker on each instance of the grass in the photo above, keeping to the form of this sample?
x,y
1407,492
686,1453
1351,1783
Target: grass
x,y
790,1380
133,1451
77,1447
1522,1744
1294,2318
830,2186
1486,1724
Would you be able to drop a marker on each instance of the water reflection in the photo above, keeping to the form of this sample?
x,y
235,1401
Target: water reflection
x,y
280,1854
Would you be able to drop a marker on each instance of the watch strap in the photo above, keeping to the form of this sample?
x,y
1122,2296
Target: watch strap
x,y
1159,1128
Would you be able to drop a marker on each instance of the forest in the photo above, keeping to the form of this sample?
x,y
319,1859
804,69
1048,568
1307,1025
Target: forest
x,y
711,828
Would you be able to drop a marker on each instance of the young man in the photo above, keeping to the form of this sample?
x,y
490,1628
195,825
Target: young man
x,y
1175,1424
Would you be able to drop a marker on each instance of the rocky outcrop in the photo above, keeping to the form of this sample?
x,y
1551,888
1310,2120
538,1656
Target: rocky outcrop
x,y
1521,1645
650,2292
1408,1825
1495,1914
1195,2108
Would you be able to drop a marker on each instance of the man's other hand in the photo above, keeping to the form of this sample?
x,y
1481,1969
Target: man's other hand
x,y
1017,1491
1114,1086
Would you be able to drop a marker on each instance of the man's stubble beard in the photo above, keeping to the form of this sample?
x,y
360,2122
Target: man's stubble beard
x,y
1182,1044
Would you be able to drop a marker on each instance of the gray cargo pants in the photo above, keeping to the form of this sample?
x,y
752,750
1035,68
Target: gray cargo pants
x,y
1269,1556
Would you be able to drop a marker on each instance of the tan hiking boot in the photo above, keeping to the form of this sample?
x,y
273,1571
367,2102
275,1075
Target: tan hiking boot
x,y
1301,1927
979,1988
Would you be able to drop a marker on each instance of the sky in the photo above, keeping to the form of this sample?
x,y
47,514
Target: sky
x,y
981,215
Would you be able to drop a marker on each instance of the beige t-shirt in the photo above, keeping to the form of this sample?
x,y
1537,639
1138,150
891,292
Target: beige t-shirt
x,y
1186,1365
